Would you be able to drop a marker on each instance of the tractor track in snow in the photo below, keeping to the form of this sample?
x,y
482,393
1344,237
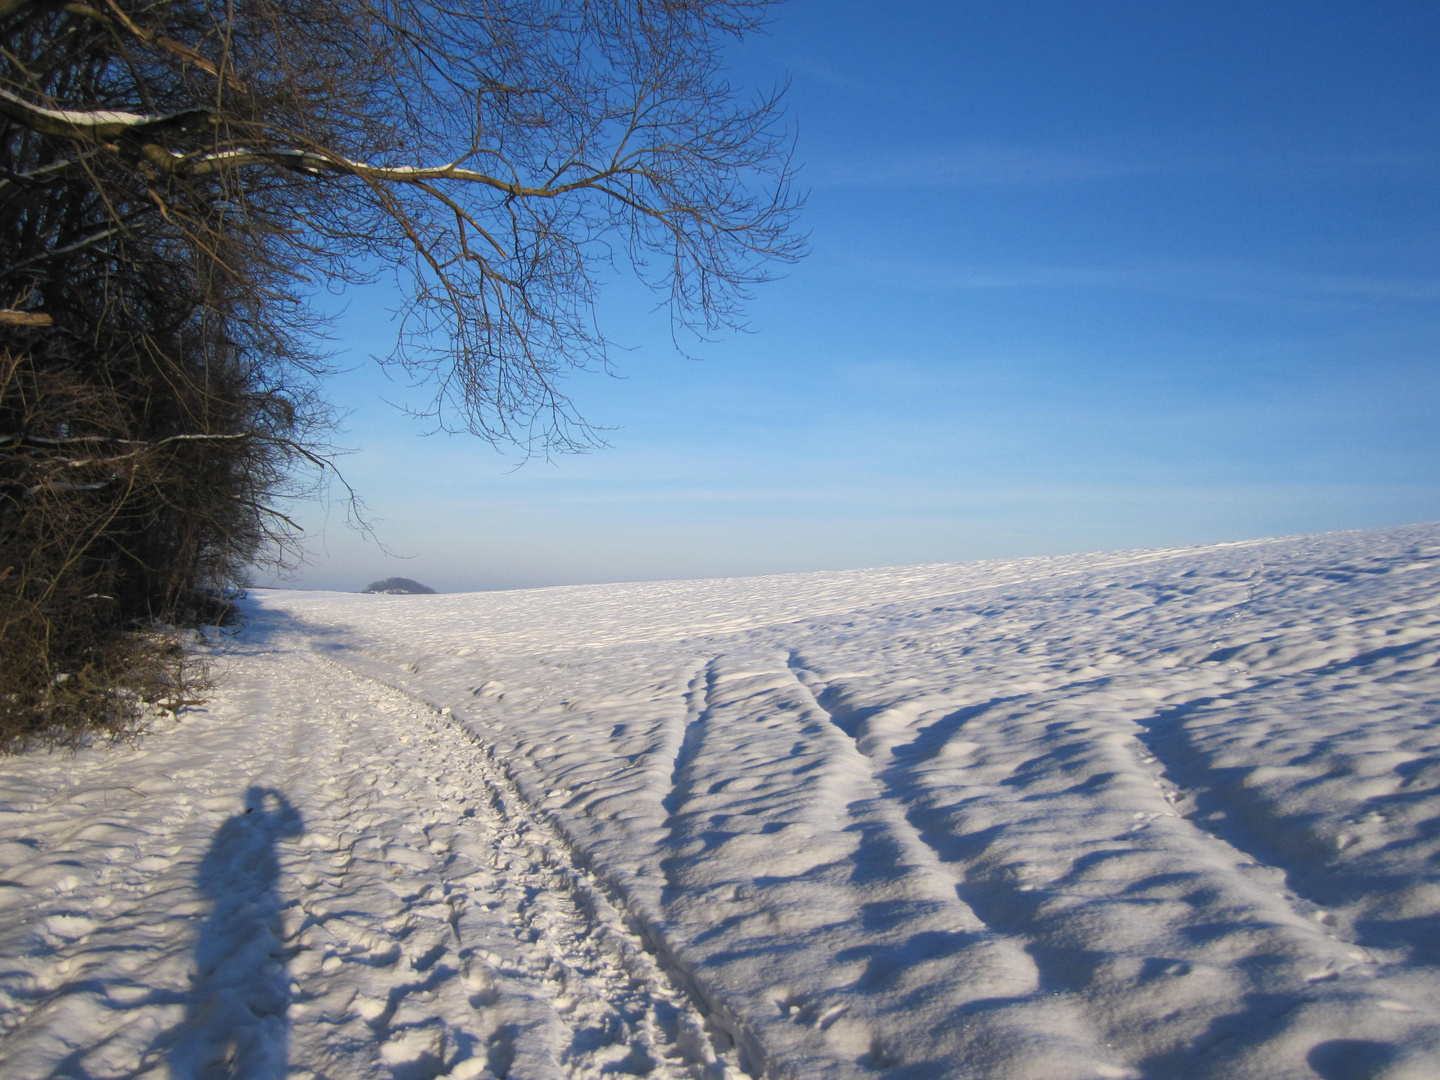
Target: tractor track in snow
x,y
1161,754
593,935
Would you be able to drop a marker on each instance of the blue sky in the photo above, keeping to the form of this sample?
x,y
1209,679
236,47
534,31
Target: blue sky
x,y
1083,276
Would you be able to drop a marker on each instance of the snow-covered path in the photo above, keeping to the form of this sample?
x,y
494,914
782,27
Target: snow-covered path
x,y
316,876
1168,814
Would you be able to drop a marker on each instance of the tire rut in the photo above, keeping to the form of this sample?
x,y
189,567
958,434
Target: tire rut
x,y
1136,778
563,913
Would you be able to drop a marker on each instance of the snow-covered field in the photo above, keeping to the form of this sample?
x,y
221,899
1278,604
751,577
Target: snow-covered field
x,y
1140,814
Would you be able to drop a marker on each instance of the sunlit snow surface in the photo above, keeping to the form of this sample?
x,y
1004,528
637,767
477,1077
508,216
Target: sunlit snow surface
x,y
1138,814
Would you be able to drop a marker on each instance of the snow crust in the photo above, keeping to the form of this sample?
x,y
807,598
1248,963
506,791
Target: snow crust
x,y
1170,814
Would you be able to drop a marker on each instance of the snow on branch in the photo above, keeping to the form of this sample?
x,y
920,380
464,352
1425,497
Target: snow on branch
x,y
105,124
42,440
10,317
92,125
308,161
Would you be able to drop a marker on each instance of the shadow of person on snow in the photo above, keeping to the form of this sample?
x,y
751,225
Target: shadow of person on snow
x,y
235,1025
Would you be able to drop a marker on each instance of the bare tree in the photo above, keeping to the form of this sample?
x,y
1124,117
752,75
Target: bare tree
x,y
506,154
177,179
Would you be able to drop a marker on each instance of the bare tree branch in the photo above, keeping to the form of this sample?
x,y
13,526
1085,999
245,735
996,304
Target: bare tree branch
x,y
588,132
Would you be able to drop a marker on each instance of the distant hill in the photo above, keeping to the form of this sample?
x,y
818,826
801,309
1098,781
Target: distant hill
x,y
397,586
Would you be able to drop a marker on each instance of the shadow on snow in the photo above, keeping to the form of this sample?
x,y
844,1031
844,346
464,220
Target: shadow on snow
x,y
235,1024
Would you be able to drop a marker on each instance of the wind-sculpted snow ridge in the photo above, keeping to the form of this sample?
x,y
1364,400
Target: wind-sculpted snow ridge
x,y
1162,814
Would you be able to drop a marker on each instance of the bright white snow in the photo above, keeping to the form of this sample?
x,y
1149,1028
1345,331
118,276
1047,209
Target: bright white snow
x,y
1141,814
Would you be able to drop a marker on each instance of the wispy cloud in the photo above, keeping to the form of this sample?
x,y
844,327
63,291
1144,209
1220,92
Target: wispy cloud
x,y
829,76
1205,280
981,165
976,165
